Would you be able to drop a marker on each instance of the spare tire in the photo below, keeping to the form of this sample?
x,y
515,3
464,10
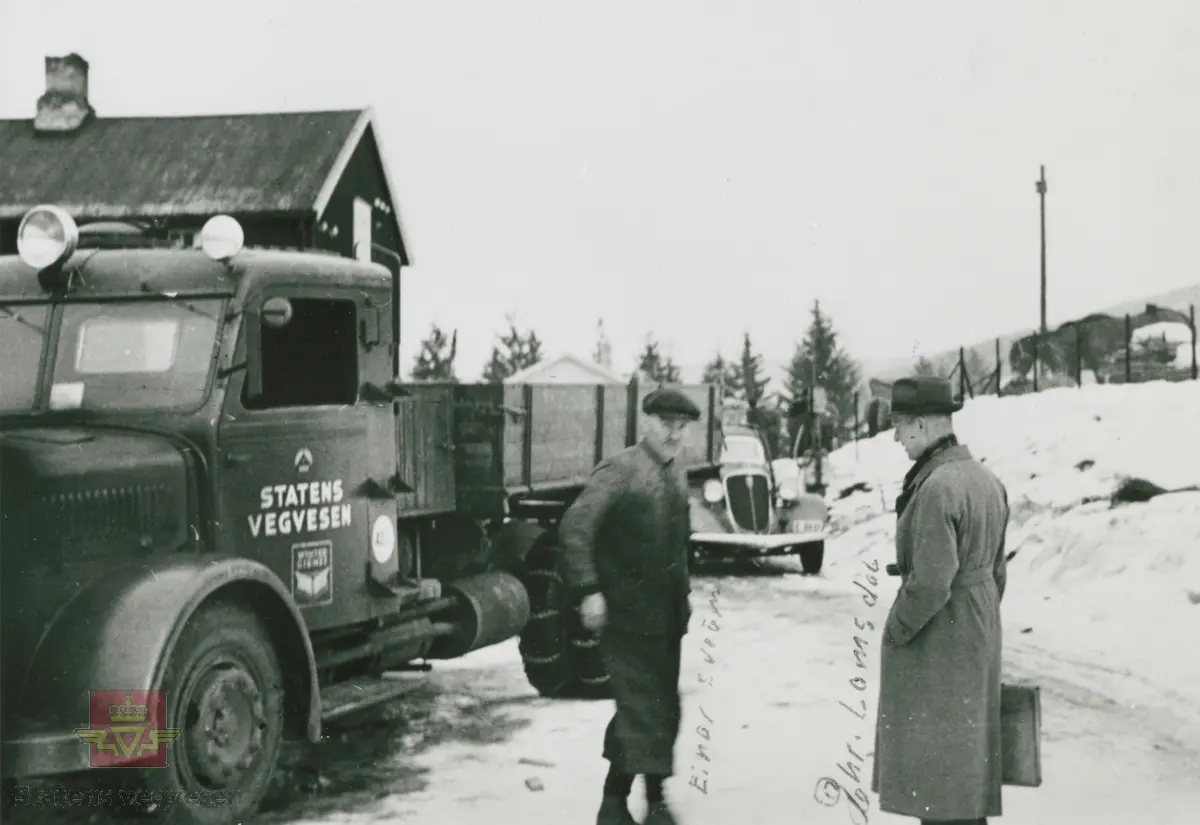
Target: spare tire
x,y
561,657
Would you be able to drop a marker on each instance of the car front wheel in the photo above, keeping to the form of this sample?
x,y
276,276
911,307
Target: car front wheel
x,y
811,557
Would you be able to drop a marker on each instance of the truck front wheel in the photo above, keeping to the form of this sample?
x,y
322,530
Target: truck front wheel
x,y
225,697
561,657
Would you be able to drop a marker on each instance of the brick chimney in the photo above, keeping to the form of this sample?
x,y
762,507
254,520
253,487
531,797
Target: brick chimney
x,y
64,107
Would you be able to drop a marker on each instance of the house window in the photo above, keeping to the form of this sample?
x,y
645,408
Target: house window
x,y
362,230
312,360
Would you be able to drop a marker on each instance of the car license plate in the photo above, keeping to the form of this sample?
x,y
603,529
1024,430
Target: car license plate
x,y
806,527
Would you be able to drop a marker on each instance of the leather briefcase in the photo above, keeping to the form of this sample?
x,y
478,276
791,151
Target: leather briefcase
x,y
1021,735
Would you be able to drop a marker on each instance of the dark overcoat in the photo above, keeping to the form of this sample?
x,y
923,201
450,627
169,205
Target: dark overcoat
x,y
626,537
937,739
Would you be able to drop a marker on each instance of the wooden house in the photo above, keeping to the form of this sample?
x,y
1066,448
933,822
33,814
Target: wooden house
x,y
315,180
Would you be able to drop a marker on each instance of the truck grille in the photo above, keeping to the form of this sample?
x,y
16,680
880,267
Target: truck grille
x,y
749,501
94,516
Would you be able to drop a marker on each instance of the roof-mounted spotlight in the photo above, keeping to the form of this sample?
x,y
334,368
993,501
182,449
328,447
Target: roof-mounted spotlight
x,y
46,237
222,238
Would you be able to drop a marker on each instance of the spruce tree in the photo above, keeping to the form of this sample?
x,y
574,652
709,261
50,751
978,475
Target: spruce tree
x,y
721,372
747,378
820,358
516,351
657,367
435,361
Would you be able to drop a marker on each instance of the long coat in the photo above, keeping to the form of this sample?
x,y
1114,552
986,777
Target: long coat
x,y
937,737
626,537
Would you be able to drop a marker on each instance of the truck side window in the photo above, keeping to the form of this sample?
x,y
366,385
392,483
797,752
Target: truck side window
x,y
313,359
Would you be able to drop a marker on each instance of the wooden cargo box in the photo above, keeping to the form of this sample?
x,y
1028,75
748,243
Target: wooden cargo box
x,y
472,446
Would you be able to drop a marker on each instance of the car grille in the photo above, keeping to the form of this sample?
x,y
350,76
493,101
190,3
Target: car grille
x,y
749,501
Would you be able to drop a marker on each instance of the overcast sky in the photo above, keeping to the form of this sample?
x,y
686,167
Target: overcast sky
x,y
699,168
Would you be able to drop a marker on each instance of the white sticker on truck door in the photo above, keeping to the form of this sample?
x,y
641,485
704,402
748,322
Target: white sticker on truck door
x,y
312,573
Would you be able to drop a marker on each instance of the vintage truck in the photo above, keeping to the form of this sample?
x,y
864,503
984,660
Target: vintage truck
x,y
218,500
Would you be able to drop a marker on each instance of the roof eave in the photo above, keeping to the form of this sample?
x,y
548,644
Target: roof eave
x,y
366,121
80,211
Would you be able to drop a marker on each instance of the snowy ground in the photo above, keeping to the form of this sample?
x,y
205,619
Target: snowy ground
x,y
1102,611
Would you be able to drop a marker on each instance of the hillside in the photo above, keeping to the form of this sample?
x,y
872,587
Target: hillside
x,y
1175,298
1118,585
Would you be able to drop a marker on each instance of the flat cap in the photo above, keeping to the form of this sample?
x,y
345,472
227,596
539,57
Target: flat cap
x,y
924,395
668,402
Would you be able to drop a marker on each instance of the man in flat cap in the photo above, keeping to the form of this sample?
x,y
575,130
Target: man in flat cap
x,y
937,736
624,544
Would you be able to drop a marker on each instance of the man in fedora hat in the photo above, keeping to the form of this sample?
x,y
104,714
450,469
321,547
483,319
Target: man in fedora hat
x,y
624,545
937,737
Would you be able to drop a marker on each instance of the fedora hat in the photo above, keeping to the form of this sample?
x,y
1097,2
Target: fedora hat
x,y
924,395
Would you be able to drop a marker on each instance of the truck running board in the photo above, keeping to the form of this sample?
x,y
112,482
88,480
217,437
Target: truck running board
x,y
359,694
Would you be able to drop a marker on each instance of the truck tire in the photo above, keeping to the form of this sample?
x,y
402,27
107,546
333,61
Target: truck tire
x,y
225,697
561,657
811,557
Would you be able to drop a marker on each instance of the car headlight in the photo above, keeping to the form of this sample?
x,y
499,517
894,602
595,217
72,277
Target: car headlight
x,y
713,491
788,491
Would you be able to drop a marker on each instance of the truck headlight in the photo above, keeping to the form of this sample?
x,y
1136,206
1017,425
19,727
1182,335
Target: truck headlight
x,y
46,237
222,238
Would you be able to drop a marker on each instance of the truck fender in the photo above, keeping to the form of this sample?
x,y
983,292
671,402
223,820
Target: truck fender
x,y
118,633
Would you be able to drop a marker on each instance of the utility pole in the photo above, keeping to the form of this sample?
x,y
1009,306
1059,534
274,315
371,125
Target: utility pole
x,y
1037,364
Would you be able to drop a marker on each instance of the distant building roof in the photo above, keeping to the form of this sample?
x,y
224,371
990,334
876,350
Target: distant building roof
x,y
545,369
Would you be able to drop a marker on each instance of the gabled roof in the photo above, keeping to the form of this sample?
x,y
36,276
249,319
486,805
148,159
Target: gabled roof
x,y
603,375
196,165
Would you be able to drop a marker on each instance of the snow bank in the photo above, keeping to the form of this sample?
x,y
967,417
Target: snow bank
x,y
1119,585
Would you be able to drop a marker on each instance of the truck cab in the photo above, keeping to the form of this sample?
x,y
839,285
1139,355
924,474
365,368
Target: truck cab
x,y
199,493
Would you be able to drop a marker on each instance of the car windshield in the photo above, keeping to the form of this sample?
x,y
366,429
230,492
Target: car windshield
x,y
134,356
739,449
22,330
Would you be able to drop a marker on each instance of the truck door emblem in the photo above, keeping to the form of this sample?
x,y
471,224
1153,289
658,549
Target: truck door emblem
x,y
312,573
304,460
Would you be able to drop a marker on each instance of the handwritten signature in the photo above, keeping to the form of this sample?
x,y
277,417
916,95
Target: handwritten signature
x,y
700,782
830,791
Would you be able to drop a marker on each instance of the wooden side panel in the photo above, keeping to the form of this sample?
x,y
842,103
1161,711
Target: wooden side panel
x,y
524,438
424,440
616,418
554,442
563,446
514,435
478,441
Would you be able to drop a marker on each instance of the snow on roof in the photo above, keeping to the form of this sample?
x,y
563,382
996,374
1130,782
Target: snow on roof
x,y
545,367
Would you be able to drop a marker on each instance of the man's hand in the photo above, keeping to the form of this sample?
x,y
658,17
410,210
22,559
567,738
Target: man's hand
x,y
593,611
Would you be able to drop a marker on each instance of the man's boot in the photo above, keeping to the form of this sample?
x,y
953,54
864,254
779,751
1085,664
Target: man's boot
x,y
659,814
614,810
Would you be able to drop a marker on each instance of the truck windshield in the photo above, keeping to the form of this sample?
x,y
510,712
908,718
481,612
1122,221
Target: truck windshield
x,y
22,330
134,356
741,449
